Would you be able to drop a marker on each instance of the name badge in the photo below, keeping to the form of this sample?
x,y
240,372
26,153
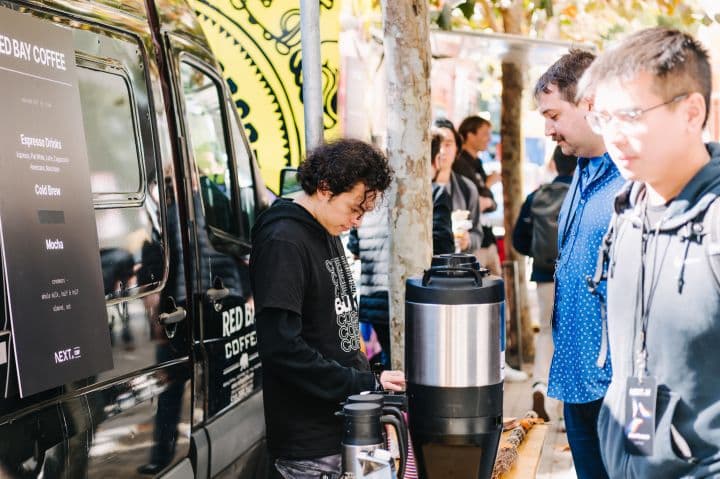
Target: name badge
x,y
639,427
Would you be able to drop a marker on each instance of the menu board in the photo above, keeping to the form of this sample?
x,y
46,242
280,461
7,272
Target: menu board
x,y
53,276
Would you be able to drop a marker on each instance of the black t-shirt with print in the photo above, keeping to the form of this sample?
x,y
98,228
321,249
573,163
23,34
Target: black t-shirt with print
x,y
308,333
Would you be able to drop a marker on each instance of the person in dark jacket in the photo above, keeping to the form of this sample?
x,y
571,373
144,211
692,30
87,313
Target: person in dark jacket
x,y
544,280
475,134
307,318
370,243
462,191
660,417
443,242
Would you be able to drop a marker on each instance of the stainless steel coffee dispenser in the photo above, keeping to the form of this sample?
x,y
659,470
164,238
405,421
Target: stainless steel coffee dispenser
x,y
392,409
454,346
363,455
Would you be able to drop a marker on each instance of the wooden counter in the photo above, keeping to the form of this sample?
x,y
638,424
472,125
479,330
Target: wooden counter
x,y
529,454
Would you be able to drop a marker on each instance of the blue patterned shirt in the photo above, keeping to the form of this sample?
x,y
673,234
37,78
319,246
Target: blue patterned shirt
x,y
577,322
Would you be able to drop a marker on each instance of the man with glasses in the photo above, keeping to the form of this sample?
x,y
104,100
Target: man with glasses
x,y
580,371
662,257
306,311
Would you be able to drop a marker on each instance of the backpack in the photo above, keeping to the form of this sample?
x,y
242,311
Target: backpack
x,y
544,210
712,219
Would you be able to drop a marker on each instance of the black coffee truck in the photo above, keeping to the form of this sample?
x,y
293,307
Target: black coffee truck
x,y
127,336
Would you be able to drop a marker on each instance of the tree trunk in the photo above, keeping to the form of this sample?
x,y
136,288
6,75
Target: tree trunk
x,y
513,68
407,60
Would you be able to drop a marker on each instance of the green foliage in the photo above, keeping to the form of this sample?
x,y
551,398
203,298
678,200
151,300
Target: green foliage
x,y
467,8
594,21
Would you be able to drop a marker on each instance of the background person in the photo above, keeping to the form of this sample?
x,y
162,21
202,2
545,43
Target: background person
x,y
463,193
443,242
475,134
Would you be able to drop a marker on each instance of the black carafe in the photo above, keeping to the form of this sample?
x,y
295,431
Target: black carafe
x,y
391,405
363,437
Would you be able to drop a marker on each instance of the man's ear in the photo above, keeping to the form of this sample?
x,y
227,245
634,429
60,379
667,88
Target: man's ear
x,y
695,111
323,190
586,102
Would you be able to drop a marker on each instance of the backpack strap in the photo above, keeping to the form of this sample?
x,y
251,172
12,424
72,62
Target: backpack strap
x,y
603,259
712,225
601,269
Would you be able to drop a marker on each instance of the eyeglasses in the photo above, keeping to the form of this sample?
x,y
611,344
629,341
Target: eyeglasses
x,y
625,119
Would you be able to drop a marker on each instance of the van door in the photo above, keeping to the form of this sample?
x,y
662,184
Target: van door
x,y
220,181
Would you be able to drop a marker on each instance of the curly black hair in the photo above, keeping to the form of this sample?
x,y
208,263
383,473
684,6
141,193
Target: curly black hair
x,y
337,166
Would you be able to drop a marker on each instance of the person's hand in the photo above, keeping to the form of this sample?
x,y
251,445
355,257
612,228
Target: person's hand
x,y
492,178
462,241
393,380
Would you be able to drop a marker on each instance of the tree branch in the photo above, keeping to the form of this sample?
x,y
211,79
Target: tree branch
x,y
487,8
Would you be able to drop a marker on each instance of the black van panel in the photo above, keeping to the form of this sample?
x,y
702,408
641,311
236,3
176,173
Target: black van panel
x,y
184,470
239,429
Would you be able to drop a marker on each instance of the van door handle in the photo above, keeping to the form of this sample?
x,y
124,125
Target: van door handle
x,y
215,294
218,291
172,317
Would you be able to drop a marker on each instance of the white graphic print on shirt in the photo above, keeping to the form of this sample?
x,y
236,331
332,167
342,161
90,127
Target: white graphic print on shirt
x,y
345,305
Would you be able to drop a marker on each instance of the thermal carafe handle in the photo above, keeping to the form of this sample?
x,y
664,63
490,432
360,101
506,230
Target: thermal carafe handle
x,y
396,412
393,421
474,273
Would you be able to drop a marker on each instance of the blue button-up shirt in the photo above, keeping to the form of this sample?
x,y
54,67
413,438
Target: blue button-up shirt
x,y
577,321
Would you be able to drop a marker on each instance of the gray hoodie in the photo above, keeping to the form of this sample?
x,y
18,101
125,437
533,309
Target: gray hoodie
x,y
683,333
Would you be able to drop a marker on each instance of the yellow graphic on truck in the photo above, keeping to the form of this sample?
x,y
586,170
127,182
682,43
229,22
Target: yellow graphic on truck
x,y
258,45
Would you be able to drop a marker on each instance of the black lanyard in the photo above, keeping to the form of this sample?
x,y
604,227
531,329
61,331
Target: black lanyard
x,y
646,302
572,211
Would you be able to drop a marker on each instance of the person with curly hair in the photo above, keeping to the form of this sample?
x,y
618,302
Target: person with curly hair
x,y
306,311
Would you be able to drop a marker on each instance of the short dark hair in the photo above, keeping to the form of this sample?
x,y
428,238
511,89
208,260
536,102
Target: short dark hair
x,y
678,62
564,164
471,124
565,74
445,123
435,142
337,166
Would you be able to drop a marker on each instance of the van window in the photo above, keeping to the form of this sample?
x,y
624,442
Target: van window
x,y
244,177
109,132
203,108
128,229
